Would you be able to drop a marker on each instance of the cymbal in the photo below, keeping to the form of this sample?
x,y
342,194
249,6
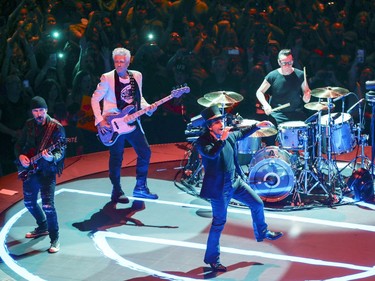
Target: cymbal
x,y
317,105
224,97
207,103
264,132
329,92
246,123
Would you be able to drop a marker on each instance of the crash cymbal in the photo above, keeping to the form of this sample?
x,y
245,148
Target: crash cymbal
x,y
224,97
207,103
264,132
329,92
317,105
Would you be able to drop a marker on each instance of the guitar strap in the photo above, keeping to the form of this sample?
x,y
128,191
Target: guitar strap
x,y
135,90
43,144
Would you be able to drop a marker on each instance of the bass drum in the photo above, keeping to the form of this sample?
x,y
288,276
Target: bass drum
x,y
271,175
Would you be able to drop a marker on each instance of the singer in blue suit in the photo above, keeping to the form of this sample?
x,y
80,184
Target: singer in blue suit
x,y
224,180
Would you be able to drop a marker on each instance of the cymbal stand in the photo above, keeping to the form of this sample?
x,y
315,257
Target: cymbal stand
x,y
330,123
319,139
307,178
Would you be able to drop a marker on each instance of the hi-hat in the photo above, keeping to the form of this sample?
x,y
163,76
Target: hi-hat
x,y
317,105
224,97
207,103
329,92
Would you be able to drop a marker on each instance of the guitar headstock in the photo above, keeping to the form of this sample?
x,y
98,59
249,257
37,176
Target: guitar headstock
x,y
178,92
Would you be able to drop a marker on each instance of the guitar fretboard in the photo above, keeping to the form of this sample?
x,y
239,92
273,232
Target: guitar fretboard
x,y
139,113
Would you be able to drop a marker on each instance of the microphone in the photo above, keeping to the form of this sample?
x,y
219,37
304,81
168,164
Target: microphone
x,y
354,105
341,97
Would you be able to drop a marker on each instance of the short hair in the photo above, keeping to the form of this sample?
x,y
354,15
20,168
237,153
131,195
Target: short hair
x,y
284,52
121,52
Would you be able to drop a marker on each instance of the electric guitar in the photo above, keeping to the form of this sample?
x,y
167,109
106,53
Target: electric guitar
x,y
121,123
25,173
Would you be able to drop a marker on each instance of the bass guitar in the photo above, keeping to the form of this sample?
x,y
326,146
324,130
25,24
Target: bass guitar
x,y
25,173
121,123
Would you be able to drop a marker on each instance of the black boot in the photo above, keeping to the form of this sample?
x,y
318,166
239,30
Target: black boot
x,y
118,196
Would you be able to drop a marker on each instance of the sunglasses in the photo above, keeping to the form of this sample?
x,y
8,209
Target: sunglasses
x,y
283,63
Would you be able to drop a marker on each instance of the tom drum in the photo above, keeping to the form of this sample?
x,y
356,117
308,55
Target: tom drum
x,y
342,134
291,134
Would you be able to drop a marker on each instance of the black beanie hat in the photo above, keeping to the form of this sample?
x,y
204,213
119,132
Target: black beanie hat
x,y
38,102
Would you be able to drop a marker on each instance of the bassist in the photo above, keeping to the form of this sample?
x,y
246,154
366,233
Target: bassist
x,y
38,135
118,89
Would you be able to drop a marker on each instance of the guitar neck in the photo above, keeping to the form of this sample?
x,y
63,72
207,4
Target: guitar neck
x,y
36,157
144,110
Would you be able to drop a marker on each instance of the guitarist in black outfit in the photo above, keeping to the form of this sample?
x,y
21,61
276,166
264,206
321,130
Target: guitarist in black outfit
x,y
41,151
120,89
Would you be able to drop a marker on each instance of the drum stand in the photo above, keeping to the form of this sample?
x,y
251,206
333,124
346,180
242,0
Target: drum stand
x,y
362,141
192,172
307,180
365,161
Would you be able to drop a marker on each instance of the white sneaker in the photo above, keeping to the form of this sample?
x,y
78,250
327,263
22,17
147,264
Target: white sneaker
x,y
55,247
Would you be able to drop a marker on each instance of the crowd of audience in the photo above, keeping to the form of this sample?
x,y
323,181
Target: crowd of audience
x,y
58,49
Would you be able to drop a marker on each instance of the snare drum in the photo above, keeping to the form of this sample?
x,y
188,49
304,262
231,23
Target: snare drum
x,y
342,134
271,175
291,134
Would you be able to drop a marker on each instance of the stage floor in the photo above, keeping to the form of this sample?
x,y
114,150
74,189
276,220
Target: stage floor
x,y
165,239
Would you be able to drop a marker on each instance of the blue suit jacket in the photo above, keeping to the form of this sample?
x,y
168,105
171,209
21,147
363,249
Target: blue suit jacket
x,y
213,158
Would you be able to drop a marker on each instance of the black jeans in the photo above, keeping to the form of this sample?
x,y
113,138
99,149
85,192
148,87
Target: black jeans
x,y
47,215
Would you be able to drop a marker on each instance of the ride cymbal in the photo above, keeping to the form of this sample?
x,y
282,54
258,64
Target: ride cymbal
x,y
224,97
329,92
317,105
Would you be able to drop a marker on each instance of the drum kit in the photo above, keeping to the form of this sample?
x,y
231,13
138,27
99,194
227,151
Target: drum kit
x,y
304,160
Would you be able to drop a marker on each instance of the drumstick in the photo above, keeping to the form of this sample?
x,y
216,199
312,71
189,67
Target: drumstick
x,y
280,107
304,73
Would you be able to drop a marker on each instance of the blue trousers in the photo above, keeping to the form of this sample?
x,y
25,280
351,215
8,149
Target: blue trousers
x,y
116,152
45,216
237,189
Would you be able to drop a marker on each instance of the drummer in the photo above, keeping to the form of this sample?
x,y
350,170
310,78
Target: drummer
x,y
285,85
